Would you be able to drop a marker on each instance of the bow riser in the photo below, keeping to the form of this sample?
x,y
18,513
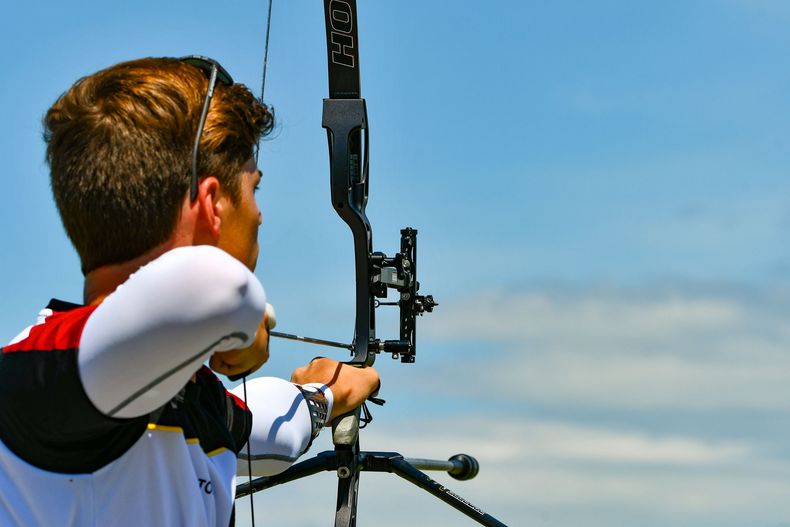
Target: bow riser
x,y
344,120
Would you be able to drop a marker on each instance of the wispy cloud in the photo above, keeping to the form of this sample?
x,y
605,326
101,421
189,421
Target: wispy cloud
x,y
500,440
533,468
592,406
653,348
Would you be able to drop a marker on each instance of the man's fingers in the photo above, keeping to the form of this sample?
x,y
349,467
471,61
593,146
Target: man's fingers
x,y
220,366
247,360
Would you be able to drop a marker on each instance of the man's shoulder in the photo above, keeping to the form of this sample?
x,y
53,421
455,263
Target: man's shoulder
x,y
59,327
46,418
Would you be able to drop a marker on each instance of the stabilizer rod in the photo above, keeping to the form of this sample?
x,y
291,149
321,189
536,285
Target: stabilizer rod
x,y
461,466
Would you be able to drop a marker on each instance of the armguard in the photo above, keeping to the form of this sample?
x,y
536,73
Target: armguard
x,y
318,405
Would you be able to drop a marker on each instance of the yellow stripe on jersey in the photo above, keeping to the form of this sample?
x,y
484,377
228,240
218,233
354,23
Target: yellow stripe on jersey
x,y
189,440
164,428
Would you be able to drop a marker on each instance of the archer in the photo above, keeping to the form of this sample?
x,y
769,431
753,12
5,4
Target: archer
x,y
106,407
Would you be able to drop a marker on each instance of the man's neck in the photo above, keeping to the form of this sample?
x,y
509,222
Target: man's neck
x,y
103,280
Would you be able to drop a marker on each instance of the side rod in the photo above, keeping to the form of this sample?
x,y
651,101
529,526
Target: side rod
x,y
376,462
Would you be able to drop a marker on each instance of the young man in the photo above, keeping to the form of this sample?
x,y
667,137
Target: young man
x,y
107,414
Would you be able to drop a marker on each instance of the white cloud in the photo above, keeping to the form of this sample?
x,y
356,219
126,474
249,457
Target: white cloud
x,y
659,349
560,473
541,440
568,442
531,374
532,464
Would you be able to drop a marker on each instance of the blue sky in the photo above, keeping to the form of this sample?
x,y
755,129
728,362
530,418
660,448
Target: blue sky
x,y
603,203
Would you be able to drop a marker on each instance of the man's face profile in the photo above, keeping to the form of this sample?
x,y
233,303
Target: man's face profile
x,y
239,234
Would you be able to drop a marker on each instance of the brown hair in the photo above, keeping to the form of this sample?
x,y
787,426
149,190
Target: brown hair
x,y
119,147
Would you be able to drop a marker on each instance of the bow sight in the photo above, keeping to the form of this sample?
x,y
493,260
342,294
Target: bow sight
x,y
400,273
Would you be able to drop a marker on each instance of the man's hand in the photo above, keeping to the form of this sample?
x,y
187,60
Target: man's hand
x,y
350,385
246,360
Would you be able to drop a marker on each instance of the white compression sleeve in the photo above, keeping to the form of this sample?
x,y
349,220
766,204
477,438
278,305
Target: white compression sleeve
x,y
282,425
144,342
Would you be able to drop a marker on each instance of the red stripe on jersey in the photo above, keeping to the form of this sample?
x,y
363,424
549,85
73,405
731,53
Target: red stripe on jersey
x,y
205,371
60,331
236,400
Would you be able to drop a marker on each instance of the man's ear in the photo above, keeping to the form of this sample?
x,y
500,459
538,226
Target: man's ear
x,y
210,206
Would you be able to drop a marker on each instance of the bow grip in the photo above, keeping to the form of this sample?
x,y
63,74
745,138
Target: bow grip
x,y
345,120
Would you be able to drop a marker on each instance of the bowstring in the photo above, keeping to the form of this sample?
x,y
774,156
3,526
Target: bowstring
x,y
249,458
265,62
257,151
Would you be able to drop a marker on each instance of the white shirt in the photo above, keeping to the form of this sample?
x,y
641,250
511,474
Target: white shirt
x,y
100,422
